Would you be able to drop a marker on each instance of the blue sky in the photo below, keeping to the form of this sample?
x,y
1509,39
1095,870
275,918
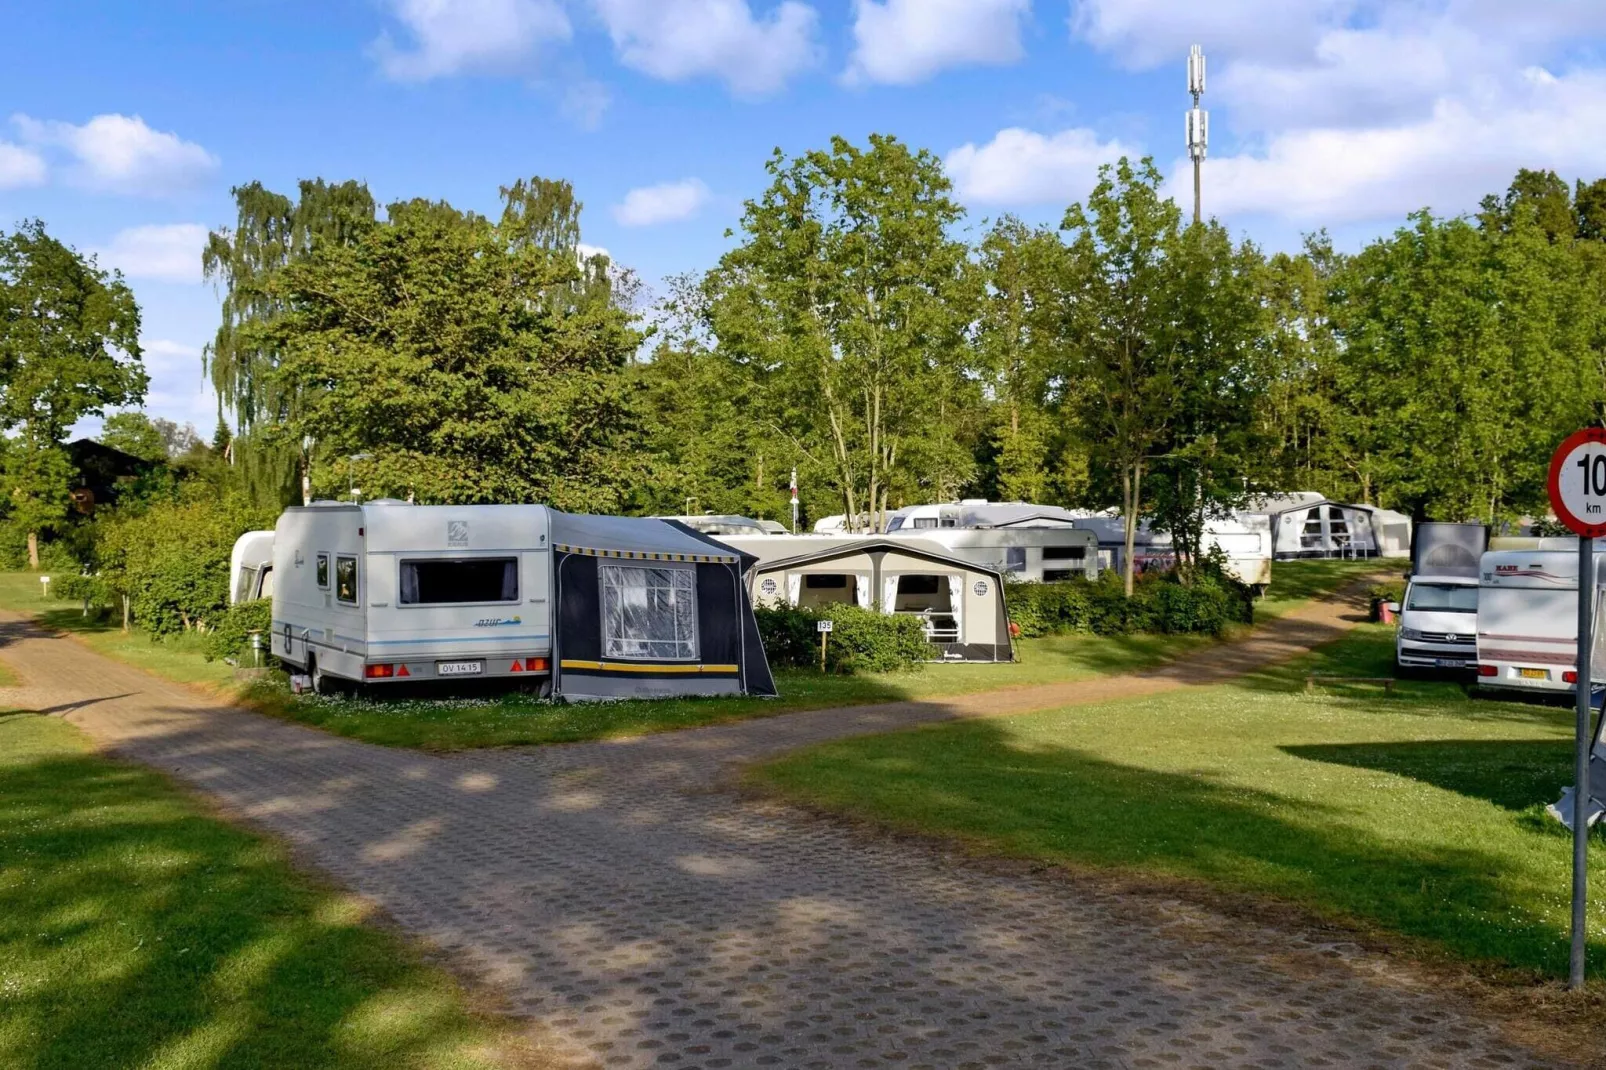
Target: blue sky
x,y
124,125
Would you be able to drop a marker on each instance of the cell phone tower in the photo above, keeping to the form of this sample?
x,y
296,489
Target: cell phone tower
x,y
1198,120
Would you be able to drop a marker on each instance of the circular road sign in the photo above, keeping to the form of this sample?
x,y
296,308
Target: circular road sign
x,y
1578,482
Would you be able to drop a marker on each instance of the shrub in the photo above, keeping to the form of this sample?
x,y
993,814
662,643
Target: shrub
x,y
1159,603
861,639
231,635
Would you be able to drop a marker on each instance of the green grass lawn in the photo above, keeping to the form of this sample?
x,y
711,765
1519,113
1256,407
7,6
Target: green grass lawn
x,y
1420,814
422,721
1295,583
136,930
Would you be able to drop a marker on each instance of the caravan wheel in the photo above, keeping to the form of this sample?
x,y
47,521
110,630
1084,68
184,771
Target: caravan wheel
x,y
321,683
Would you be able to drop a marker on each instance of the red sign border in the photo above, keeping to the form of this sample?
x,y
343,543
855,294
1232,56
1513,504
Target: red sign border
x,y
1553,482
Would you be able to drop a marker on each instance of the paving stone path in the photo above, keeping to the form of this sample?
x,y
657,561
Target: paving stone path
x,y
644,916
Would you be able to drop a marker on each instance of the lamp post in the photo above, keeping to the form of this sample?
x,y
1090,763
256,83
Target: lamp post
x,y
1198,120
351,479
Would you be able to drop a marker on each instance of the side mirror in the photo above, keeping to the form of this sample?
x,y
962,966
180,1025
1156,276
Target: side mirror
x,y
1394,608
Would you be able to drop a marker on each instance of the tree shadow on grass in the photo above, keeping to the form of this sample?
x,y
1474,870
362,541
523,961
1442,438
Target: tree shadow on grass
x,y
142,933
977,781
1514,774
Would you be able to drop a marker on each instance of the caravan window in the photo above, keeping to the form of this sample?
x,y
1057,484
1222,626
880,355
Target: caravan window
x,y
1014,559
323,571
1064,553
649,612
346,580
819,581
434,582
925,521
245,586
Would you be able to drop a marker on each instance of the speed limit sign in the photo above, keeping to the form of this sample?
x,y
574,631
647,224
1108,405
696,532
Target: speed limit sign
x,y
1578,482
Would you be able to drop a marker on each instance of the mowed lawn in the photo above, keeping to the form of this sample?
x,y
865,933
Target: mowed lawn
x,y
136,930
1420,814
432,720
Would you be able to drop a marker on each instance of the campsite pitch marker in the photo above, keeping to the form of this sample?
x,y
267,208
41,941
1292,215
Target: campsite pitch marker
x,y
824,628
1577,488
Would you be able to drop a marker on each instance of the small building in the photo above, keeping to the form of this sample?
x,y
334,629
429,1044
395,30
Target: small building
x,y
960,603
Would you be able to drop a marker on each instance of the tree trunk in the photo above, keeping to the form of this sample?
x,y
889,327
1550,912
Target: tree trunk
x,y
1131,476
125,614
33,550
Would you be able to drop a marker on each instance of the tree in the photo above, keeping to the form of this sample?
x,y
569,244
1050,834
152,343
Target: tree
x,y
135,434
69,348
847,304
244,262
1125,358
440,356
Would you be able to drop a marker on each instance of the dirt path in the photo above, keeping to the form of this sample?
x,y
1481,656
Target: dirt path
x,y
647,918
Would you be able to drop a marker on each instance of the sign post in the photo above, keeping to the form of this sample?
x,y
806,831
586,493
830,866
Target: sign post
x,y
1577,488
824,628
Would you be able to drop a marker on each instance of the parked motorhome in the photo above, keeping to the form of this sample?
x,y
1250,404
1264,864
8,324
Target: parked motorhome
x,y
584,606
1438,617
1527,620
251,567
960,604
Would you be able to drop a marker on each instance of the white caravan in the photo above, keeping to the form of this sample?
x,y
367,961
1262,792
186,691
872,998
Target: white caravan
x,y
588,606
1527,619
1245,539
1030,554
251,567
386,590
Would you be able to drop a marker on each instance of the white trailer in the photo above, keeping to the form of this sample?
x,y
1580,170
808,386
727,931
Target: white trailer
x,y
1030,554
1438,619
251,567
586,606
1527,620
1245,540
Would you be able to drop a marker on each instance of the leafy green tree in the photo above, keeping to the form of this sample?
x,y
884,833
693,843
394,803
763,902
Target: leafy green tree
x,y
135,434
439,356
243,262
69,348
847,303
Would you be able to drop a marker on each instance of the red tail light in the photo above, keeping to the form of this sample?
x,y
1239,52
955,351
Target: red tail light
x,y
1569,677
535,664
1488,670
378,672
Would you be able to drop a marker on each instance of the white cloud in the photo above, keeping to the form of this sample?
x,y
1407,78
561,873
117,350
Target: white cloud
x,y
584,102
1019,167
1144,33
680,39
668,202
20,167
586,252
906,41
120,154
1448,160
164,252
468,36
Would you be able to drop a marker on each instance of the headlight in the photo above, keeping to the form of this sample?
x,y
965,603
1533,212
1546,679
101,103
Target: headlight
x,y
1410,633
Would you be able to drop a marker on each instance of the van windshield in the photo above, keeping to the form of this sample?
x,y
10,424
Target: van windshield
x,y
1443,598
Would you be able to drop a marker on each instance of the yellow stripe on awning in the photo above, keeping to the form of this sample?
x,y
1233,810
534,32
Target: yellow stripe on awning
x,y
637,666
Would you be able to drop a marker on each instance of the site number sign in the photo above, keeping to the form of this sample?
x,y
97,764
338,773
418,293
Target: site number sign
x,y
1578,482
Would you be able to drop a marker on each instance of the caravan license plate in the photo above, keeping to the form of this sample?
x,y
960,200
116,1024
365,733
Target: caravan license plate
x,y
1534,674
459,668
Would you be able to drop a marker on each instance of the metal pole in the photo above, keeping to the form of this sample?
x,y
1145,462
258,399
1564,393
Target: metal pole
x,y
1196,189
1586,620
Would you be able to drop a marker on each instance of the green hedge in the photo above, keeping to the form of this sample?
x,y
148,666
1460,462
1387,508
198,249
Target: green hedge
x,y
861,640
231,635
1158,604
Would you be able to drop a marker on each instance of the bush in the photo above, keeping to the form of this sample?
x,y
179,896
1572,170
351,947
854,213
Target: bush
x,y
231,635
861,640
1159,603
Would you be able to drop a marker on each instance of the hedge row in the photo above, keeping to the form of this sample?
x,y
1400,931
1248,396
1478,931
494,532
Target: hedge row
x,y
1158,604
861,640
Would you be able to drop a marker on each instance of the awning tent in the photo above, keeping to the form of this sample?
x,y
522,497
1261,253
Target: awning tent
x,y
960,604
1308,524
645,608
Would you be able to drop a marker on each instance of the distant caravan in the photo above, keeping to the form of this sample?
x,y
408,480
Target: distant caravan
x,y
1527,620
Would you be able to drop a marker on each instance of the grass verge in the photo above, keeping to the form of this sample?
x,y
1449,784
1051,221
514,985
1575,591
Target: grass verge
x,y
136,930
417,719
1420,815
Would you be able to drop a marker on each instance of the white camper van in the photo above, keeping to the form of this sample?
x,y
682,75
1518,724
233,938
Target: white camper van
x,y
1527,619
1438,618
251,567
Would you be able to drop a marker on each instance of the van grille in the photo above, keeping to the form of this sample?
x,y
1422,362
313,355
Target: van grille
x,y
1458,638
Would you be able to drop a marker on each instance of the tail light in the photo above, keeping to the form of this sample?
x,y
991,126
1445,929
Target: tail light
x,y
1488,670
536,664
1569,677
378,672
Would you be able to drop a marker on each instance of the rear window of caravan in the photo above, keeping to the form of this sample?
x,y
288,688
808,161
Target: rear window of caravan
x,y
431,582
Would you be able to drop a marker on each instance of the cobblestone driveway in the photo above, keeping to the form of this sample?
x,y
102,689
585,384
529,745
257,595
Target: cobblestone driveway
x,y
647,918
